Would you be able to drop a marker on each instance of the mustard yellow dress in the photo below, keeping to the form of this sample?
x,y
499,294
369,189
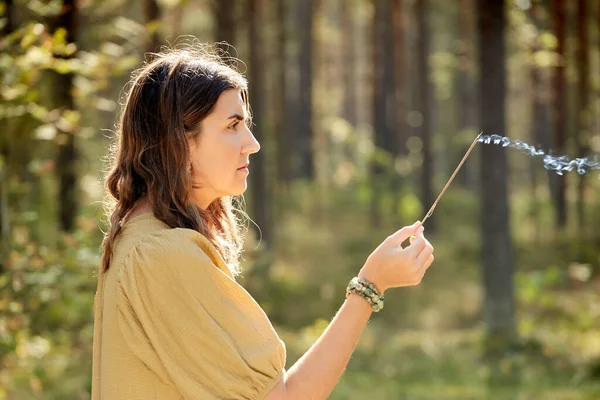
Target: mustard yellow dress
x,y
170,322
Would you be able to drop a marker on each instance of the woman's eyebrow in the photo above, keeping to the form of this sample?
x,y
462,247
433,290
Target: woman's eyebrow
x,y
236,116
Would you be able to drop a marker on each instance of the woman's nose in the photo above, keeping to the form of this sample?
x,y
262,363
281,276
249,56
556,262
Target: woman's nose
x,y
252,145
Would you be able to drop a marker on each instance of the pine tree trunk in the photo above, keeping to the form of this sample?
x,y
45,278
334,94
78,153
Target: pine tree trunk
x,y
384,104
5,171
584,114
261,206
497,248
467,90
66,163
224,11
558,186
348,62
398,35
540,110
304,166
282,133
425,103
152,18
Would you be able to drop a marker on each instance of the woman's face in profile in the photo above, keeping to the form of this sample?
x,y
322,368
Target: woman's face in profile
x,y
220,154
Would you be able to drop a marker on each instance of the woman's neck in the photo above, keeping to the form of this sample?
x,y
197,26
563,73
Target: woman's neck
x,y
142,206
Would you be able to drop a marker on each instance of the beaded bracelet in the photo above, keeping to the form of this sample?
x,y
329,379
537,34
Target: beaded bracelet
x,y
366,290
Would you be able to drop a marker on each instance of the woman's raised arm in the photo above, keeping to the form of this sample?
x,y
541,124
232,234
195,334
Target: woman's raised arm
x,y
316,373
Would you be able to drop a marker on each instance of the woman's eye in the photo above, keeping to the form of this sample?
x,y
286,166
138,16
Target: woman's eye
x,y
234,125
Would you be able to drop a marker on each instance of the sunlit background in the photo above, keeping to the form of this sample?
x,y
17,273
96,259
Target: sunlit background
x,y
363,109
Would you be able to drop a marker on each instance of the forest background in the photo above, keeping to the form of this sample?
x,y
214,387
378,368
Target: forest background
x,y
363,109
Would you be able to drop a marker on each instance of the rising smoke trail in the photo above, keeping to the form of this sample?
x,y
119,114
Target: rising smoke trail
x,y
559,164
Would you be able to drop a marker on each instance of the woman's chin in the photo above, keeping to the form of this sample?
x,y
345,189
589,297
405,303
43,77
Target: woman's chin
x,y
241,189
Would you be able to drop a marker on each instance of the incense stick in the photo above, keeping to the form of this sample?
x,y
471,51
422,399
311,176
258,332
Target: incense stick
x,y
450,180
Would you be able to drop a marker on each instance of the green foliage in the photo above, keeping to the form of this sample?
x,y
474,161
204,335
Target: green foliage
x,y
46,303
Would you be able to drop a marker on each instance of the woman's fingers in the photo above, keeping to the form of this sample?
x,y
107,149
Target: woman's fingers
x,y
424,254
426,265
417,245
401,235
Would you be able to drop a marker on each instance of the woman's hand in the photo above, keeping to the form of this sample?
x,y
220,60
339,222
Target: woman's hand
x,y
390,265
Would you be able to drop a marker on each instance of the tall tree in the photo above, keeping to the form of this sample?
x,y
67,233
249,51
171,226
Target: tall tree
x,y
558,185
224,31
384,99
400,128
425,102
466,84
383,69
8,18
597,112
177,18
63,97
261,210
540,104
152,18
348,64
584,115
281,110
398,39
5,30
497,248
302,137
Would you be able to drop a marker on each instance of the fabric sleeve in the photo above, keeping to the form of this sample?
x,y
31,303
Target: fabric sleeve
x,y
186,318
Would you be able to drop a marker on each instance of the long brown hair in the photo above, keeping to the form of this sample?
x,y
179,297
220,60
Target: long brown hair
x,y
167,99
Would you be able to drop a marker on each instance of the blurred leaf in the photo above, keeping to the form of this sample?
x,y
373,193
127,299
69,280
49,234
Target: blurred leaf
x,y
45,132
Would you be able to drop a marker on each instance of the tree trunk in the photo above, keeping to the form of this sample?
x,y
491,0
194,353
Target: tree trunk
x,y
384,90
303,164
425,102
5,171
348,64
260,194
177,18
466,82
152,18
595,109
584,114
559,111
224,11
398,35
540,110
384,103
66,167
400,129
282,133
9,12
497,248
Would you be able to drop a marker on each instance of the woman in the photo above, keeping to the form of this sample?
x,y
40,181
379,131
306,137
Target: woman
x,y
170,320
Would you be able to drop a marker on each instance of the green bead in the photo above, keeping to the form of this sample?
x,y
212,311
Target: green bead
x,y
367,291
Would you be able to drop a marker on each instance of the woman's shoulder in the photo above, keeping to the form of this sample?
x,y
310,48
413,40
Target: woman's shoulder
x,y
173,243
158,246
